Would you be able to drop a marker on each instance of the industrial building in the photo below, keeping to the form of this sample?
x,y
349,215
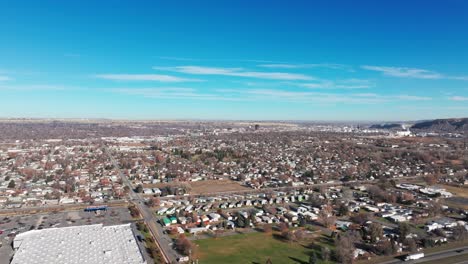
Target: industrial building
x,y
90,244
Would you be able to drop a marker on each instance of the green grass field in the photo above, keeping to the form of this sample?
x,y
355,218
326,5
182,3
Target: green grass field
x,y
251,248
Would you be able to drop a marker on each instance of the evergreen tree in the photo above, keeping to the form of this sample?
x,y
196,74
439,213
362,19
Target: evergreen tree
x,y
313,258
11,184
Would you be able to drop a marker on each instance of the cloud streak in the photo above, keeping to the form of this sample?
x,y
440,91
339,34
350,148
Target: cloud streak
x,y
175,58
416,73
255,95
144,77
39,87
458,98
335,98
461,78
236,72
334,66
173,93
404,72
340,84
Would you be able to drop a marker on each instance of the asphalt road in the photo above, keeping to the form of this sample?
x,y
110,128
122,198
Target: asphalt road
x,y
434,256
62,207
163,241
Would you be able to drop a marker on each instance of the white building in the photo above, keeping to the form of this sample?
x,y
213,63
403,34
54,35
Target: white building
x,y
78,244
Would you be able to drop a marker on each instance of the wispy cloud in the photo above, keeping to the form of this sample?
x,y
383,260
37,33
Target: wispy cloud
x,y
300,66
39,87
305,96
175,58
144,77
458,98
461,78
404,72
173,93
413,98
4,78
280,66
237,72
458,108
256,95
340,84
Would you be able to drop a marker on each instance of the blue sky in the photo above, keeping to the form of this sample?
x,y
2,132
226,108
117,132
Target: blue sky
x,y
272,60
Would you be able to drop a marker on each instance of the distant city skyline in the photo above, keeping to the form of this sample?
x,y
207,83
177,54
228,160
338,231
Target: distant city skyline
x,y
242,60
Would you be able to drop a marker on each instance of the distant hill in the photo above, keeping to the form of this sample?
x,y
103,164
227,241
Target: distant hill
x,y
387,126
445,125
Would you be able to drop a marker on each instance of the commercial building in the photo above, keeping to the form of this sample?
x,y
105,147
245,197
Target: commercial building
x,y
96,244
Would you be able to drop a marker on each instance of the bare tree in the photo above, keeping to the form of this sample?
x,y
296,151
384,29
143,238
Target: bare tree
x,y
460,233
360,218
411,244
290,235
345,248
267,228
375,232
326,217
183,245
283,227
431,179
153,202
325,251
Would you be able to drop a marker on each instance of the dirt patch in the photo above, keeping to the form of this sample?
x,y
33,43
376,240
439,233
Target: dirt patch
x,y
458,191
204,187
460,198
457,202
212,186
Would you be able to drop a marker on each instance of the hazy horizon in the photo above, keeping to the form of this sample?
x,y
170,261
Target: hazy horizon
x,y
70,119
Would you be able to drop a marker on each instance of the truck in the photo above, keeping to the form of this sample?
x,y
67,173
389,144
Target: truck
x,y
414,256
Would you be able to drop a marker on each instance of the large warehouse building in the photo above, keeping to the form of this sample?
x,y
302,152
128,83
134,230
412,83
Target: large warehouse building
x,y
96,244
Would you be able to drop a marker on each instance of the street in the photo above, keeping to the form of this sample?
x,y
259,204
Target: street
x,y
162,240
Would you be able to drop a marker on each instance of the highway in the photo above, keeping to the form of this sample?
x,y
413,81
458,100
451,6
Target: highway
x,y
435,256
163,241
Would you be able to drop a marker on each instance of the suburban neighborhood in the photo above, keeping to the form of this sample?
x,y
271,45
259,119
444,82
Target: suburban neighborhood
x,y
345,193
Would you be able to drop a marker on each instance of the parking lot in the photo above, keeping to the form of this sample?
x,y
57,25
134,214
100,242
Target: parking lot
x,y
12,225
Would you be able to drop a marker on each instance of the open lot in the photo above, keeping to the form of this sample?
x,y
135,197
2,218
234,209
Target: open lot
x,y
460,198
205,187
458,191
210,186
19,224
251,248
457,202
